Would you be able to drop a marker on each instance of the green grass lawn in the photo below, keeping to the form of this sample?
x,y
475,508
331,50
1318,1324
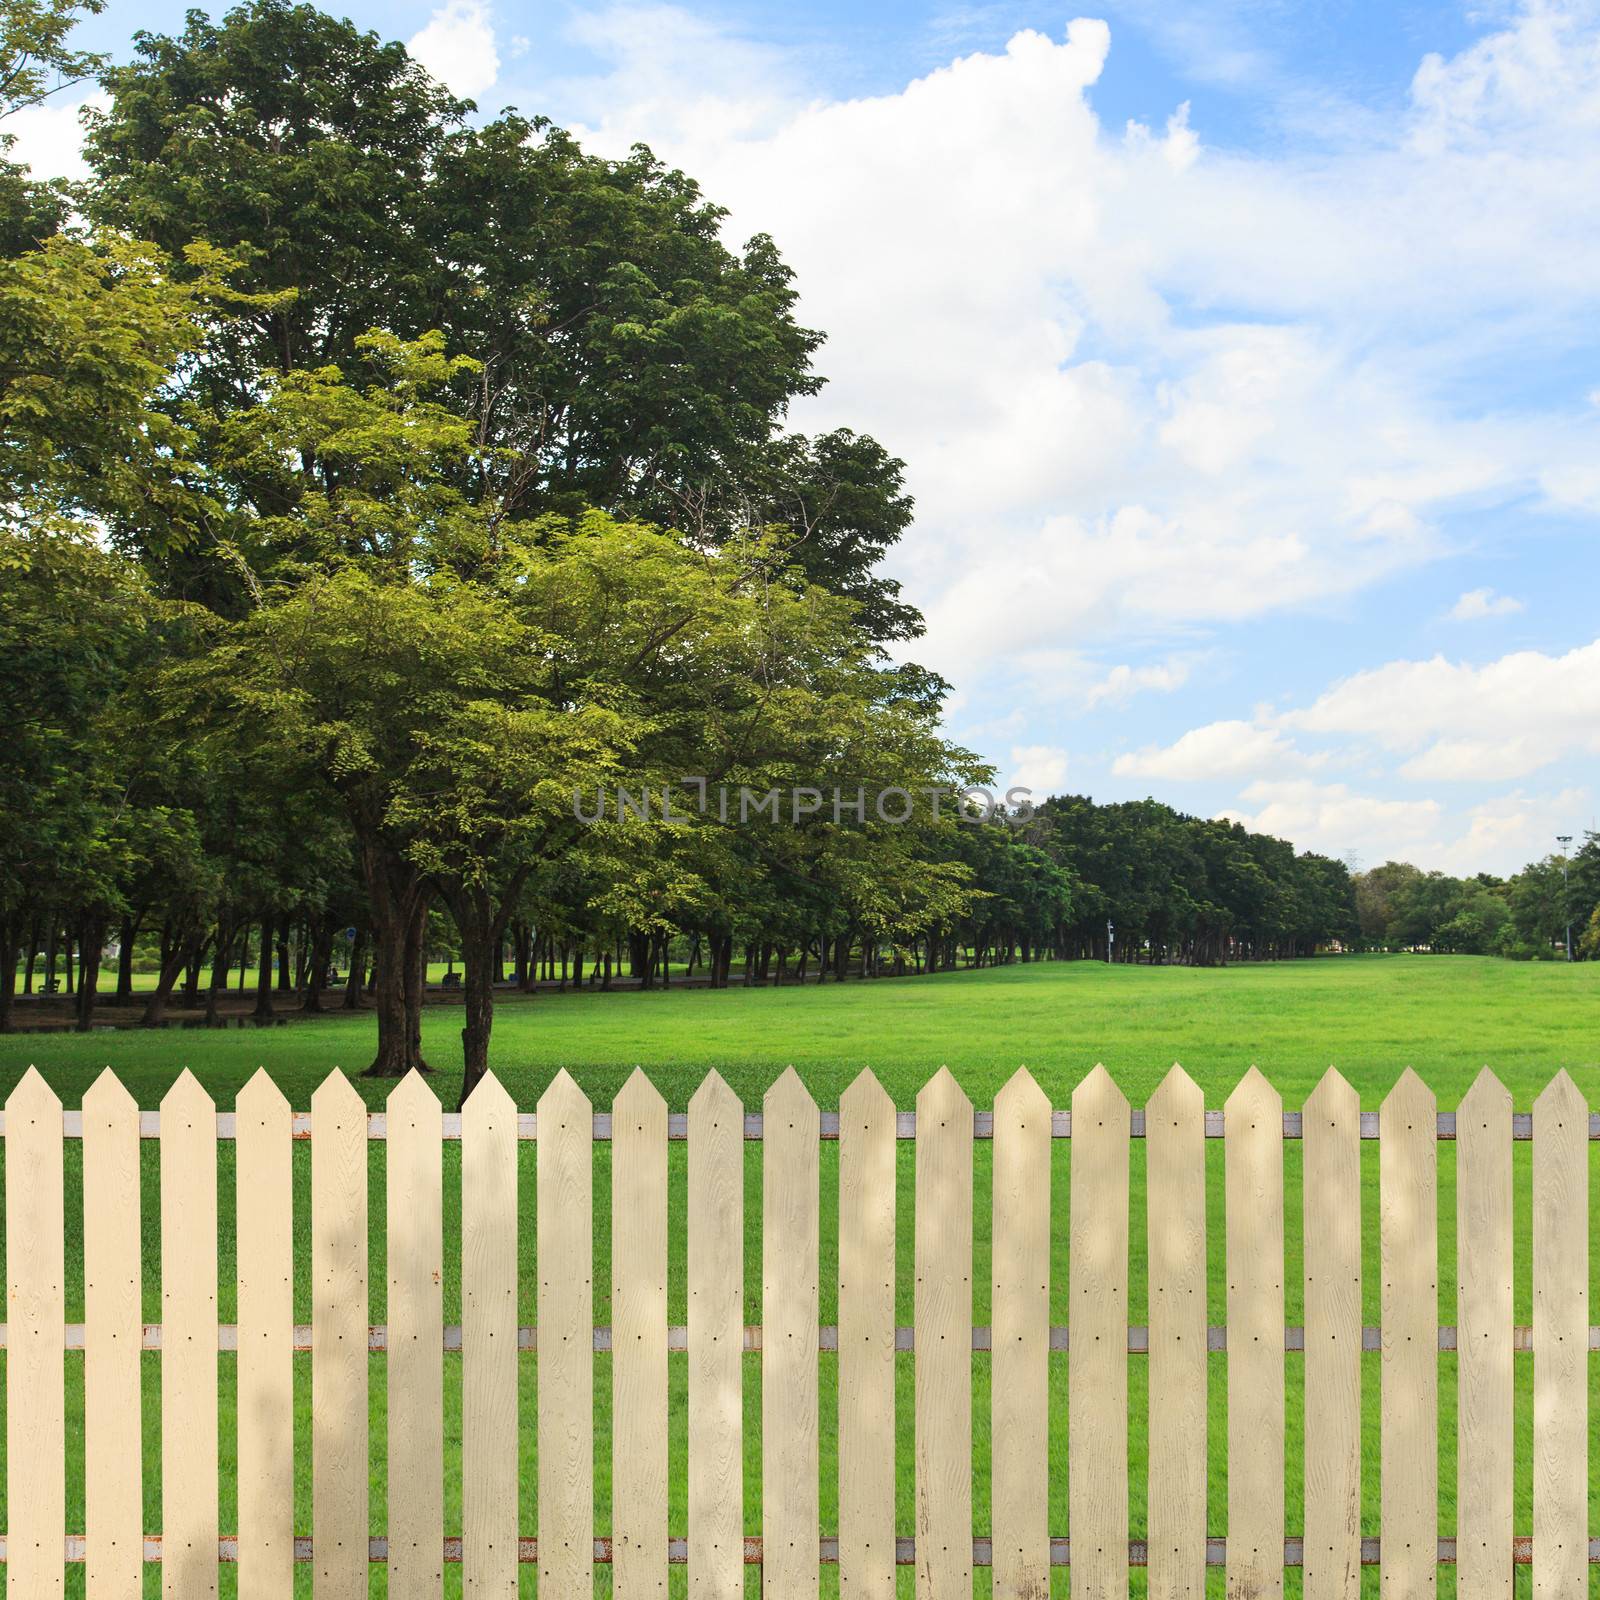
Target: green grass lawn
x,y
1369,1016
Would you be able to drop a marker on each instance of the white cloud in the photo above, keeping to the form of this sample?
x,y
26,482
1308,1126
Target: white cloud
x,y
1478,603
1459,722
49,136
1334,819
457,45
1039,767
1218,750
1122,683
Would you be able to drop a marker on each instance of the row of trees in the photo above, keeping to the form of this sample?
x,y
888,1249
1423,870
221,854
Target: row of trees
x,y
1528,916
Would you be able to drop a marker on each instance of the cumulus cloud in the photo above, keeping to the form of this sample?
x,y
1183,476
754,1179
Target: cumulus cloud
x,y
1479,603
1218,750
1123,682
457,45
49,136
1039,767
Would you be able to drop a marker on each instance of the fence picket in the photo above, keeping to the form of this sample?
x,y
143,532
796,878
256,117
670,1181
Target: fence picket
x,y
790,1197
943,1311
1332,1255
565,1220
1253,1162
1175,1146
415,1212
1097,1372
639,1340
339,1495
489,1342
189,1342
36,1473
1484,1416
113,1501
1560,1341
265,1254
1020,1377
716,1342
1408,1203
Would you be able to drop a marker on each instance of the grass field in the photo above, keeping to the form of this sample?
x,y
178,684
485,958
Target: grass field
x,y
1369,1016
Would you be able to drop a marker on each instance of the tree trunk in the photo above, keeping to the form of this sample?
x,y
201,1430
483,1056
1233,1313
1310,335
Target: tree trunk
x,y
91,937
285,981
358,968
263,1011
220,960
319,947
8,971
399,907
174,956
128,933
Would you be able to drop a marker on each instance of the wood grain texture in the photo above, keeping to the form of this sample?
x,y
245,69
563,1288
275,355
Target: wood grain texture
x,y
1484,1418
639,1341
1097,1380
36,1473
789,1312
1253,1184
339,1495
1408,1205
188,1342
264,1198
1331,1130
1020,1384
113,1500
566,1339
489,1342
414,1185
1560,1341
716,1340
1175,1159
943,1320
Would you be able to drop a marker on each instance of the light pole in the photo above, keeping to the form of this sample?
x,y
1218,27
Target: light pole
x,y
1564,839
1111,938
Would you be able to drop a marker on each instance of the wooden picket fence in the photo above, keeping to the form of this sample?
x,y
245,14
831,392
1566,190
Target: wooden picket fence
x,y
1021,1546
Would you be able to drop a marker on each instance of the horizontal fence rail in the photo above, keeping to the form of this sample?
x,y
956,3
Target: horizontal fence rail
x,y
1185,1532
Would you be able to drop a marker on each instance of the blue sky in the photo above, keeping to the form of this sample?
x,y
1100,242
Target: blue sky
x,y
1244,357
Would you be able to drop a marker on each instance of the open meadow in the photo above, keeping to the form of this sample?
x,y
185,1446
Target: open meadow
x,y
1447,1017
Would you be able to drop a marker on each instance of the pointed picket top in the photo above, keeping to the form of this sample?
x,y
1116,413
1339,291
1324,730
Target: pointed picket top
x,y
412,1100
1409,1103
1333,1100
865,1099
33,1097
564,1102
1253,1099
1560,1102
186,1098
260,1098
1176,1096
715,1101
1021,1098
1487,1102
789,1100
942,1100
1097,1100
488,1105
335,1096
639,1099
108,1096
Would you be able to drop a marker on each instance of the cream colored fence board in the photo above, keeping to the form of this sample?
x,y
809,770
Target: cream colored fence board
x,y
1097,1381
113,1510
188,1342
566,1339
1253,1184
1020,1378
489,1342
339,1473
716,1342
1560,1341
415,1210
1484,1421
639,1341
1175,1161
264,1198
943,1310
1331,1124
1408,1203
36,1474
789,1283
